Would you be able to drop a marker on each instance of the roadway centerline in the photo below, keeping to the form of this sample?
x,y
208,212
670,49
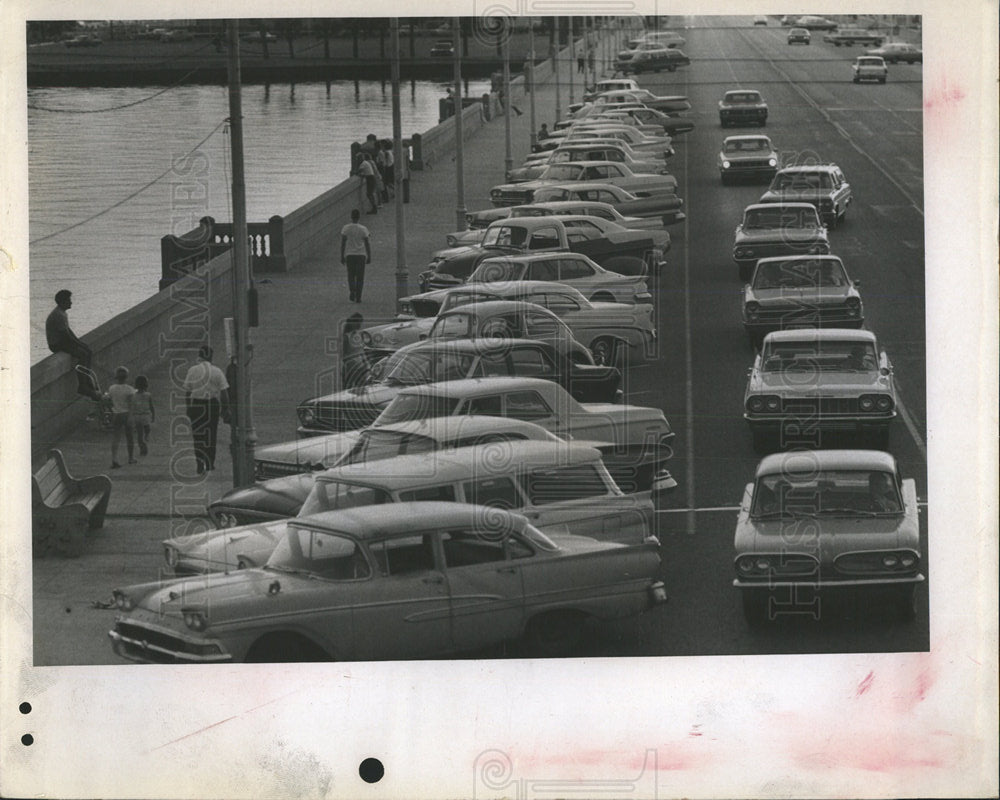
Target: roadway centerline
x,y
688,358
716,509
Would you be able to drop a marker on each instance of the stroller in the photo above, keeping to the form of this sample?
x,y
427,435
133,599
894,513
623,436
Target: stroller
x,y
87,378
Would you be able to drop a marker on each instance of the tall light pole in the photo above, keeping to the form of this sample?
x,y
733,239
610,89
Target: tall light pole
x,y
530,79
508,159
244,436
572,59
402,276
555,67
459,164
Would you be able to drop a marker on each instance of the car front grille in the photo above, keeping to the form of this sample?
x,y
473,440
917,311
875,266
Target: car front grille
x,y
146,644
514,198
793,316
336,416
752,163
819,406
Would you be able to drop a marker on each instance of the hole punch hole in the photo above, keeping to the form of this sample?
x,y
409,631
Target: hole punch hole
x,y
371,770
24,708
27,740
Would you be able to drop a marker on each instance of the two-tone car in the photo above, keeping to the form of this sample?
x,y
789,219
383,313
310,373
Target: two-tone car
x,y
822,185
800,292
516,194
668,104
821,528
611,331
336,579
775,229
650,57
589,150
426,362
742,107
747,156
869,68
894,52
665,207
507,474
812,386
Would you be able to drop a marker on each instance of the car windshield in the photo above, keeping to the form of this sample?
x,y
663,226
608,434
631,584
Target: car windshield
x,y
412,369
461,297
500,270
378,444
853,492
320,554
333,495
803,181
747,145
816,356
743,97
870,62
761,218
417,406
800,274
505,236
563,172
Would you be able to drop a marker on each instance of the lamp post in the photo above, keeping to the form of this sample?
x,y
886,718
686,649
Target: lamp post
x,y
555,66
459,163
402,276
572,58
530,81
508,160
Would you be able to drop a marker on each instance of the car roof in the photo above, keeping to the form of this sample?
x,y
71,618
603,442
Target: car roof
x,y
587,186
529,222
473,387
744,137
820,335
484,308
522,286
772,206
373,522
808,461
444,428
742,91
446,466
559,204
533,257
809,257
809,168
479,345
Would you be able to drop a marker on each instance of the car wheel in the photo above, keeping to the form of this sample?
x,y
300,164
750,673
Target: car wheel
x,y
763,441
283,648
755,608
906,605
554,633
602,297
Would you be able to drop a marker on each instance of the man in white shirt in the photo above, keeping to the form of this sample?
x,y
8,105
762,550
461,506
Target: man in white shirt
x,y
206,390
355,253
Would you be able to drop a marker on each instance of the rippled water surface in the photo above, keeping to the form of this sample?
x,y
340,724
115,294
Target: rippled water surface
x,y
297,145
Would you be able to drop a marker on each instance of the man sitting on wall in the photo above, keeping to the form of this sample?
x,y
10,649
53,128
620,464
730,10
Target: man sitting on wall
x,y
61,339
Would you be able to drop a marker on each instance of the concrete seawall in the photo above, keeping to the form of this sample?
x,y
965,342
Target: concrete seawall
x,y
175,321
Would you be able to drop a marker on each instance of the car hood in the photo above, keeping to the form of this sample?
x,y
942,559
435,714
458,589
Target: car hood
x,y
836,535
396,334
313,452
820,295
793,195
750,236
778,383
282,496
217,550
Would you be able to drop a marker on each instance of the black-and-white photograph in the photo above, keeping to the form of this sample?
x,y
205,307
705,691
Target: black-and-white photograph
x,y
487,339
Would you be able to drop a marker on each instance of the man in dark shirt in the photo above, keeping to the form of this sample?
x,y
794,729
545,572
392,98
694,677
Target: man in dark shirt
x,y
61,339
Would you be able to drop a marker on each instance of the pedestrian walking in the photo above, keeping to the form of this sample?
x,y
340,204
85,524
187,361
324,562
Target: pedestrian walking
x,y
366,171
355,253
206,392
61,339
142,413
581,63
590,60
386,163
120,394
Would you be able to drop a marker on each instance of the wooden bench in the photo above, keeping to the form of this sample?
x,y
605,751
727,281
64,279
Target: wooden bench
x,y
64,507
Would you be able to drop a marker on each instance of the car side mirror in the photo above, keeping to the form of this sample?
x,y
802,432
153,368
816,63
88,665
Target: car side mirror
x,y
423,336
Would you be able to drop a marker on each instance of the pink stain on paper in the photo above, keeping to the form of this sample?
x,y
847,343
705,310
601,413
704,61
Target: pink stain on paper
x,y
943,97
865,684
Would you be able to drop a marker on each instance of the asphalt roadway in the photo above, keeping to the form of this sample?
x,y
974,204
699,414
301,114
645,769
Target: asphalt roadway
x,y
873,132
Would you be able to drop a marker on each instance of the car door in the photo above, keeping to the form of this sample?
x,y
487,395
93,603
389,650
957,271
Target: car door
x,y
484,588
406,602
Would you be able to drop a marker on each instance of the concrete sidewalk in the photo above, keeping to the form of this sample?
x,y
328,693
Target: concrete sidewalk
x,y
295,357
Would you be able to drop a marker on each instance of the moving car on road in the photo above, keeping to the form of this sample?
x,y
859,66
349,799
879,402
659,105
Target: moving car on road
x,y
813,23
852,36
443,48
650,57
799,36
807,383
800,291
822,185
742,107
863,540
344,585
893,52
747,156
775,229
869,68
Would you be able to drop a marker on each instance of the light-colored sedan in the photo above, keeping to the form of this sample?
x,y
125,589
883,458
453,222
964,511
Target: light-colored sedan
x,y
345,585
517,194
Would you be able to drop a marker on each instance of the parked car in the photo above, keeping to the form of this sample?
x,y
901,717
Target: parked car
x,y
668,104
822,185
369,444
443,48
651,59
799,36
83,40
789,19
669,124
588,150
590,171
863,540
666,207
813,23
742,107
609,85
490,474
424,362
747,156
344,586
593,281
773,229
641,145
848,37
807,383
869,68
667,38
800,291
893,52
632,253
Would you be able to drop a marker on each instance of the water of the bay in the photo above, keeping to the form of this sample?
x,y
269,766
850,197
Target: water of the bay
x,y
83,160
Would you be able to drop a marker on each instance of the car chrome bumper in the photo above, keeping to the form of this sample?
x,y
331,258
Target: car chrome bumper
x,y
850,584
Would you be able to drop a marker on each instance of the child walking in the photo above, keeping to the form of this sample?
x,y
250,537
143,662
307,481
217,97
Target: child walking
x,y
143,415
121,395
